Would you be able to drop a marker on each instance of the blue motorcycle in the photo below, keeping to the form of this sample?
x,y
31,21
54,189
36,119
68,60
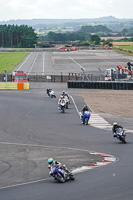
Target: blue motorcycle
x,y
85,118
120,134
60,174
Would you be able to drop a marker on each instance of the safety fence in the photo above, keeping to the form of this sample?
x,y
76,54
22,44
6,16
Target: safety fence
x,y
115,85
52,78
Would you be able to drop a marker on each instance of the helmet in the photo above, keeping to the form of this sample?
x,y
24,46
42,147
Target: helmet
x,y
61,97
50,161
115,123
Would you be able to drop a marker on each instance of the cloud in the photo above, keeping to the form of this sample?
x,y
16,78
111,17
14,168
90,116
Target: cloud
x,y
29,9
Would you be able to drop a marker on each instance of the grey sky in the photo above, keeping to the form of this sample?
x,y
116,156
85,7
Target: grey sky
x,y
64,9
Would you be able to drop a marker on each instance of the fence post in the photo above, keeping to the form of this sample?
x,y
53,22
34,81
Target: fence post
x,y
61,78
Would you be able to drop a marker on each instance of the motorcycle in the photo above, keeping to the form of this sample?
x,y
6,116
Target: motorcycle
x,y
62,107
60,174
51,94
85,118
121,135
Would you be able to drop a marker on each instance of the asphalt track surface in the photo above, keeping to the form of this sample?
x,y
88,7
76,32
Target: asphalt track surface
x,y
41,123
111,182
50,63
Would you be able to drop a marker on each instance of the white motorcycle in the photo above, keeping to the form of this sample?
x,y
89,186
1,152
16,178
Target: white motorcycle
x,y
51,94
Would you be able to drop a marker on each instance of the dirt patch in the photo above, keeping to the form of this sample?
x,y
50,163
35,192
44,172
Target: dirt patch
x,y
117,103
113,105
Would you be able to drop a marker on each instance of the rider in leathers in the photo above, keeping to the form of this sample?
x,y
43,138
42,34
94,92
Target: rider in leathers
x,y
61,101
85,108
115,126
57,164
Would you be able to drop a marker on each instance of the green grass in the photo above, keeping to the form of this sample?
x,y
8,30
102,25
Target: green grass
x,y
129,47
9,60
123,51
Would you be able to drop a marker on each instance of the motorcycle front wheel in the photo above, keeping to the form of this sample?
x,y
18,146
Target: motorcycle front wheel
x,y
72,177
59,177
86,121
62,110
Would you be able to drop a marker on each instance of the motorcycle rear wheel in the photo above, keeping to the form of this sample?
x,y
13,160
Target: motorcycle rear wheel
x,y
123,140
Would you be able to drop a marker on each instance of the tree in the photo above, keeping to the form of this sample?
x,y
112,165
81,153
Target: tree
x,y
95,39
17,36
108,42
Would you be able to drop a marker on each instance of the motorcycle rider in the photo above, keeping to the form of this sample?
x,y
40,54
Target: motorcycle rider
x,y
115,126
61,101
57,164
66,97
48,91
63,93
85,108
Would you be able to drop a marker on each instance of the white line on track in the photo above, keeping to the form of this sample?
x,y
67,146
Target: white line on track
x,y
99,122
78,170
24,61
21,184
75,62
33,63
82,169
75,104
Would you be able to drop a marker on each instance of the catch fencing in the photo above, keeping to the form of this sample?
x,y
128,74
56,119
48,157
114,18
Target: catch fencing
x,y
53,78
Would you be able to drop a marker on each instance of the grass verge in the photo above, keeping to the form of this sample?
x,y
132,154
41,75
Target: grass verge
x,y
9,60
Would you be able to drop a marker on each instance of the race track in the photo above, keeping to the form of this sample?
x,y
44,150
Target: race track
x,y
33,118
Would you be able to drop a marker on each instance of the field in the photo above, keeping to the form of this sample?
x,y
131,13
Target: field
x,y
123,44
8,60
113,38
55,30
129,47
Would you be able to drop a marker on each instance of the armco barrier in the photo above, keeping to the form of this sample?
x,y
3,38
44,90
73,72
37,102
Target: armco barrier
x,y
13,86
115,85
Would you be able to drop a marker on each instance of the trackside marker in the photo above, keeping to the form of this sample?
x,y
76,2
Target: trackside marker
x,y
107,159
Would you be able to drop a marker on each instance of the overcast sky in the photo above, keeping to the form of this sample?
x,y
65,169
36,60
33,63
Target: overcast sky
x,y
64,9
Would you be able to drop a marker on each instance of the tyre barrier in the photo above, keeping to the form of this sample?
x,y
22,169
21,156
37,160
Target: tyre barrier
x,y
115,85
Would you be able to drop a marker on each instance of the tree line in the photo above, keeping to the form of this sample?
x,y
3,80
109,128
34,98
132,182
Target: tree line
x,y
95,29
82,35
17,36
76,38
